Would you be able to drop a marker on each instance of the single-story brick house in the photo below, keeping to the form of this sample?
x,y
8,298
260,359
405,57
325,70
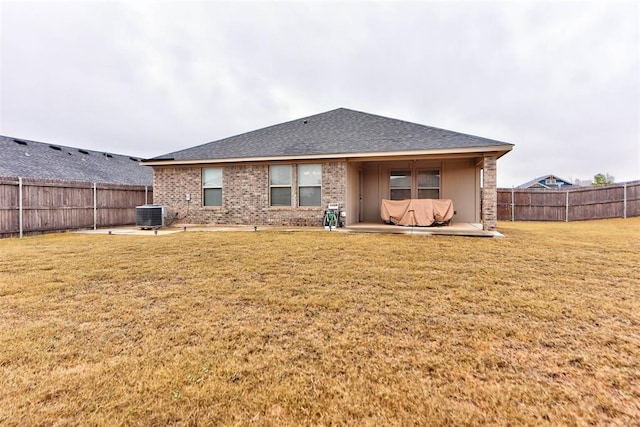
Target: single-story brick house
x,y
288,173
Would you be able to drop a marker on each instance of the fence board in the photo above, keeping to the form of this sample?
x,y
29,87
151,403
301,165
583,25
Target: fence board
x,y
55,205
582,203
9,204
633,199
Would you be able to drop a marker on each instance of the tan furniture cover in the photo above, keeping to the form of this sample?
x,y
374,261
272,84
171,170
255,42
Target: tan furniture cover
x,y
422,212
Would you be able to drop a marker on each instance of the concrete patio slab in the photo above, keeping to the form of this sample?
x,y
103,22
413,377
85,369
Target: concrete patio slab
x,y
457,229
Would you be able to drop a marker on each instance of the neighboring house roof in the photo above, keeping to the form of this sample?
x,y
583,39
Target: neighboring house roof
x,y
337,133
30,159
546,182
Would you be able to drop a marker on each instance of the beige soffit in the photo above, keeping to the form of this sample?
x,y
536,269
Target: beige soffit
x,y
503,149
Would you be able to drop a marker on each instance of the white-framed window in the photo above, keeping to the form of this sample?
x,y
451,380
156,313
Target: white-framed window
x,y
400,185
280,185
212,186
417,184
428,184
309,185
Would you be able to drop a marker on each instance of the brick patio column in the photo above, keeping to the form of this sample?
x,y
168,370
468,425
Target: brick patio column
x,y
489,194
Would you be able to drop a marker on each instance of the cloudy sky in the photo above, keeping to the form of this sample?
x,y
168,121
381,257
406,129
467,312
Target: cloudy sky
x,y
560,80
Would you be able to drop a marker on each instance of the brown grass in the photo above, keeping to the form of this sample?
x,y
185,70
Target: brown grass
x,y
274,328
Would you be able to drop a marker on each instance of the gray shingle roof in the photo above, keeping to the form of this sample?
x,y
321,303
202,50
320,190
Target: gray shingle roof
x,y
340,131
30,159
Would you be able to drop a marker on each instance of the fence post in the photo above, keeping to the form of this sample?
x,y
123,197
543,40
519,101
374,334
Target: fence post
x,y
624,206
513,206
566,211
95,206
146,192
20,211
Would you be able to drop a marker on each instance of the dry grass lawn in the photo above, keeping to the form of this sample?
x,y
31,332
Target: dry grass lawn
x,y
275,328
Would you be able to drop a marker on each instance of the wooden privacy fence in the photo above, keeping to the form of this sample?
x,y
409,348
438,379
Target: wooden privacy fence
x,y
33,205
575,204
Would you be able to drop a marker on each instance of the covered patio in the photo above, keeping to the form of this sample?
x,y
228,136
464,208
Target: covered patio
x,y
467,180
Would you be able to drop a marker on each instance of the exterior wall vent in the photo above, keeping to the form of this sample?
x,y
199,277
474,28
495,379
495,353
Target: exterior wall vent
x,y
149,216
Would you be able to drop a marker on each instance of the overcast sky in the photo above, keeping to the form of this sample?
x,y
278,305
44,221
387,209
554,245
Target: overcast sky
x,y
560,80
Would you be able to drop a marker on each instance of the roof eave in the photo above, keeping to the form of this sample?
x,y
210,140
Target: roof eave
x,y
499,150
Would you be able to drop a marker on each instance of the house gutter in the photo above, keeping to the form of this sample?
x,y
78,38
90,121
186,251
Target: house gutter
x,y
489,150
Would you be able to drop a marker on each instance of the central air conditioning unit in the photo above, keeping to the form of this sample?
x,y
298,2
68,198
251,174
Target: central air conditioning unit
x,y
149,216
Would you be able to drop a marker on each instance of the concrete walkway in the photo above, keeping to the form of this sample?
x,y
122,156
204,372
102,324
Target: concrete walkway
x,y
461,229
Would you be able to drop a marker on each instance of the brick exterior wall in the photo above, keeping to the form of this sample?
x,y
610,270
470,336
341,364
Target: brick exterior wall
x,y
490,194
245,195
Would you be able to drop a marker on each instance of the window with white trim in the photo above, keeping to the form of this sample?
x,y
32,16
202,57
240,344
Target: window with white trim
x,y
428,184
212,186
280,185
400,185
309,185
416,184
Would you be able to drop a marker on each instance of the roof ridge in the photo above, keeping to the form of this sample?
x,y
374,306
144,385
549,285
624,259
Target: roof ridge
x,y
245,133
338,131
422,125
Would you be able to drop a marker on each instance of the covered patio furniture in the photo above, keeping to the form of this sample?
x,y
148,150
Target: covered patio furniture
x,y
417,212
